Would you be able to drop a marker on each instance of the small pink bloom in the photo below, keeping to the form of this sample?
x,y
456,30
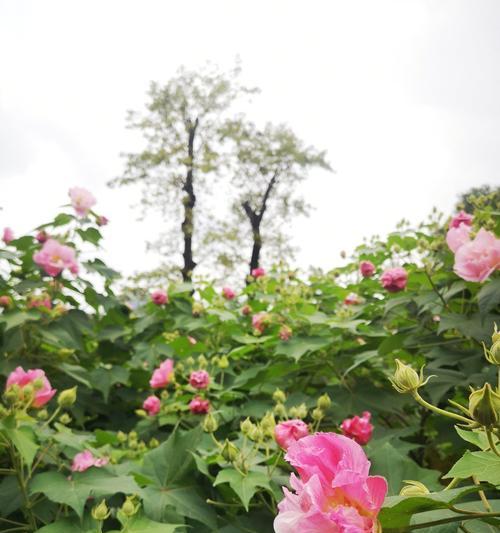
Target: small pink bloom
x,y
246,310
258,272
159,297
199,379
43,390
82,200
5,301
152,405
460,219
84,460
358,428
394,279
162,375
436,318
192,340
260,321
479,258
285,333
457,236
41,301
228,293
102,221
54,257
42,236
8,235
290,431
199,406
367,269
352,299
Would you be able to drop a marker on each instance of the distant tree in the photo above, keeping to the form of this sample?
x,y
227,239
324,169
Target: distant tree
x,y
267,166
181,125
479,197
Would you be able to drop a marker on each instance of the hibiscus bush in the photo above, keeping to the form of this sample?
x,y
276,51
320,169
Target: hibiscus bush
x,y
363,399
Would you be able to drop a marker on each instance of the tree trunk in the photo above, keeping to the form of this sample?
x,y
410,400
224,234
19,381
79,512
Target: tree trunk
x,y
189,202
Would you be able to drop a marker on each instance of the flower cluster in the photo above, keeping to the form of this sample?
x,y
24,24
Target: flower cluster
x,y
30,385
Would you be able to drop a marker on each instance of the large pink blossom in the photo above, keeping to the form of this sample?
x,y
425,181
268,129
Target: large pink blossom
x,y
367,269
199,379
81,200
478,259
152,405
358,428
462,218
394,279
199,406
54,257
162,375
159,297
333,493
8,235
457,236
290,431
84,460
43,391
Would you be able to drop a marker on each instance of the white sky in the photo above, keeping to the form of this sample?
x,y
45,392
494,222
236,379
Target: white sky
x,y
404,95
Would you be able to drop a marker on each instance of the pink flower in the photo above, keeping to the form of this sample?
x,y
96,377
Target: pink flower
x,y
352,299
228,293
258,272
358,428
479,258
54,257
162,375
192,340
159,297
102,221
462,218
42,236
199,379
41,385
8,235
152,405
290,431
39,301
334,492
394,279
5,301
81,200
84,460
246,310
285,333
457,236
367,269
199,406
260,321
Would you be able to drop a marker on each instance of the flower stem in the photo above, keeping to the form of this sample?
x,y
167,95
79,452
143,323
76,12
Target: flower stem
x,y
438,410
491,442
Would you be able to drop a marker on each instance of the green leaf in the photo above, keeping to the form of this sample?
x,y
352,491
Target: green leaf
x,y
298,346
78,373
245,486
17,318
102,379
142,524
23,439
91,235
11,497
65,526
361,358
489,296
250,339
484,465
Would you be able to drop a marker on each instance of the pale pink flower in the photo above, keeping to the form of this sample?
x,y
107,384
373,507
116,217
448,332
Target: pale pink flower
x,y
457,236
394,279
159,297
152,405
192,340
8,235
162,375
285,333
81,200
479,258
54,257
84,460
367,269
199,406
290,431
42,236
260,321
461,218
43,391
334,493
352,299
358,428
228,293
5,301
258,272
199,379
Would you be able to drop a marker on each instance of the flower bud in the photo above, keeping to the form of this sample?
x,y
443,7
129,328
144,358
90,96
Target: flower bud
x,y
229,451
65,419
279,396
12,394
298,411
268,424
318,414
324,402
223,362
413,488
256,434
405,379
197,309
493,354
210,423
141,413
42,414
100,512
67,398
246,426
202,361
484,406
190,361
121,436
280,410
496,335
154,443
129,508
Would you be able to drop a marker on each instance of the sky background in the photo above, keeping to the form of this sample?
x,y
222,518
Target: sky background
x,y
404,95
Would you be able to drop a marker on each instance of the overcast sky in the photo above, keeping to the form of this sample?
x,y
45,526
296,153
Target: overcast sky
x,y
404,95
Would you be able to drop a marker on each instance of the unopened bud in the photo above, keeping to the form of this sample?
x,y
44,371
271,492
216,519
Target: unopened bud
x,y
202,361
129,508
190,361
324,402
268,423
210,423
246,426
298,411
65,419
279,396
197,309
229,451
67,398
256,434
42,414
223,362
154,443
484,406
121,436
496,335
413,488
141,413
100,512
318,414
405,379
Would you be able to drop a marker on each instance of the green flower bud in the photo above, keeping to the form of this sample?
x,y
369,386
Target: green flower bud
x,y
493,354
324,402
229,451
179,367
100,512
38,384
280,410
405,379
67,398
133,435
28,391
141,413
122,437
496,335
129,508
65,419
42,414
318,414
190,361
12,394
154,443
197,309
164,394
414,488
268,423
279,396
210,423
246,426
223,362
257,435
484,406
202,361
298,411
